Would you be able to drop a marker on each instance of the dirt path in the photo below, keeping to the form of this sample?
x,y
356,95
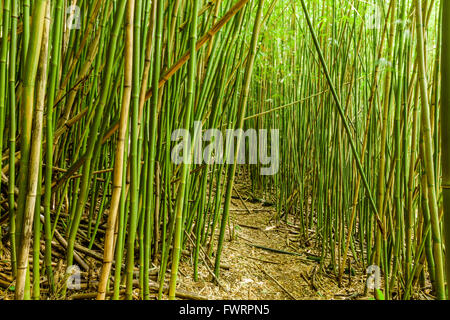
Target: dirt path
x,y
258,274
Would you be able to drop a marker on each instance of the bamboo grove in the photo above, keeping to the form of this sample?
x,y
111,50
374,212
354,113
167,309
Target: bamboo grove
x,y
92,90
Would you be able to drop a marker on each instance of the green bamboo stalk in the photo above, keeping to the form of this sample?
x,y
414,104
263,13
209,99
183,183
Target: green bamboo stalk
x,y
134,159
180,201
445,134
239,125
12,134
86,175
40,27
153,114
428,157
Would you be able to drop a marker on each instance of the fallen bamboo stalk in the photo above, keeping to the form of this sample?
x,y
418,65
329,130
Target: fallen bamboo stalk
x,y
278,283
275,250
183,294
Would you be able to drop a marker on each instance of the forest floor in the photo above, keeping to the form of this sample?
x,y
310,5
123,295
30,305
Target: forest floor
x,y
251,266
252,272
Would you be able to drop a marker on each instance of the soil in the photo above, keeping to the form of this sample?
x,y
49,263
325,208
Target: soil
x,y
253,273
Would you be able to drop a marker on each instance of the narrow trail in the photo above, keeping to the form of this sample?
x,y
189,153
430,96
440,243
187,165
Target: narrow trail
x,y
251,272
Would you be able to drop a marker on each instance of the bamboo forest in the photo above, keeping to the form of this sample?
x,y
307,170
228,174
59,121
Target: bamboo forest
x,y
224,149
